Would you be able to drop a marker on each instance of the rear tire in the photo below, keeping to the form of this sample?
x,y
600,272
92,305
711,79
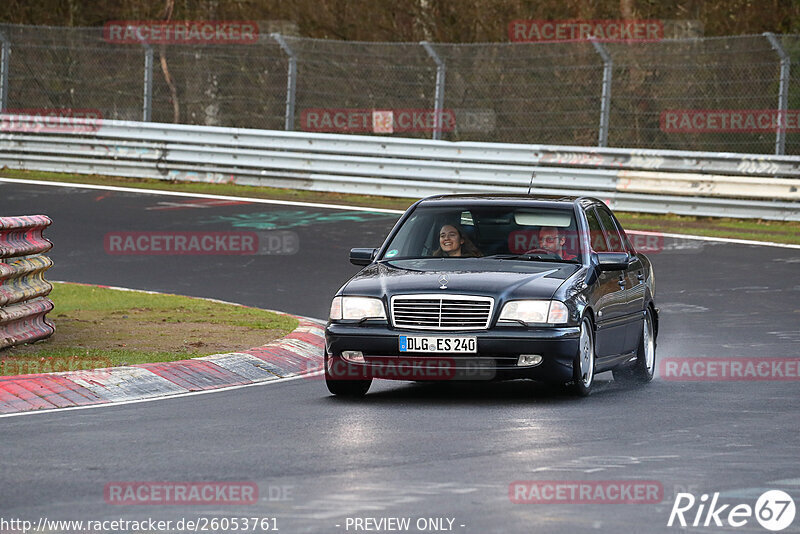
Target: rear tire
x,y
345,388
643,370
583,367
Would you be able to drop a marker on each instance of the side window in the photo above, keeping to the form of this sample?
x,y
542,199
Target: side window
x,y
596,237
626,242
615,243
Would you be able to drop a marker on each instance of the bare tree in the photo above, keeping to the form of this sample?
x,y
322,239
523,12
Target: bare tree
x,y
173,92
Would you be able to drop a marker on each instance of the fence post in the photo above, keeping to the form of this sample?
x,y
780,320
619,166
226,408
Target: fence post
x,y
438,105
147,97
5,59
605,99
291,81
783,94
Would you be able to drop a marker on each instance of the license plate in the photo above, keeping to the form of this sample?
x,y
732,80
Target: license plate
x,y
438,344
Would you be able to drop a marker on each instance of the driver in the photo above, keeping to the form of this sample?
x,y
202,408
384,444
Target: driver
x,y
551,240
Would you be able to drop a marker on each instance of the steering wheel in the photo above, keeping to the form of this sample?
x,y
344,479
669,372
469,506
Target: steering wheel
x,y
539,251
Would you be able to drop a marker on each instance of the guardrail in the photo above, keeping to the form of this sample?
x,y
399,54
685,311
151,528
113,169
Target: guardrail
x,y
649,181
23,289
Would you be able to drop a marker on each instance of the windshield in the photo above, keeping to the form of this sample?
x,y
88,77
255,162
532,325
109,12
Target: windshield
x,y
512,233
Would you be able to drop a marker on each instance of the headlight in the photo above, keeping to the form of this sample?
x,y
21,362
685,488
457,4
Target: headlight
x,y
357,308
535,311
336,308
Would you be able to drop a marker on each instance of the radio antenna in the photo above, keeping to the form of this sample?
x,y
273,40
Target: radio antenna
x,y
533,175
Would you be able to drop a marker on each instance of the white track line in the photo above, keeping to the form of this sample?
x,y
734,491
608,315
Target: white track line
x,y
718,239
350,208
201,195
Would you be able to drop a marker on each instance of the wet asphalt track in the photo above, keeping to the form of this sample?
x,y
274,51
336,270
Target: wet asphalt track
x,y
415,451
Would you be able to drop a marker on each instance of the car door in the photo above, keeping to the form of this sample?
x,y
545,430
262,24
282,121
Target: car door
x,y
634,286
608,297
637,289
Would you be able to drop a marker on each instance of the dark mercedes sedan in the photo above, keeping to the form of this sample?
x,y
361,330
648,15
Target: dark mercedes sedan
x,y
470,287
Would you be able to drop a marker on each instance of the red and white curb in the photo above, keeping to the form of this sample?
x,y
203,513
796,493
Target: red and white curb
x,y
299,353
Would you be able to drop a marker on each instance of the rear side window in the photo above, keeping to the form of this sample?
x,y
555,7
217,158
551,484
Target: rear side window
x,y
596,238
613,239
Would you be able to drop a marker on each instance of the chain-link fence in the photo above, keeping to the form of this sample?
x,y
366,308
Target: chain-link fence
x,y
565,93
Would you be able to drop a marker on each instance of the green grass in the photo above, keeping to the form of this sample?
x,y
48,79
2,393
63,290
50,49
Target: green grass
x,y
751,229
100,327
75,299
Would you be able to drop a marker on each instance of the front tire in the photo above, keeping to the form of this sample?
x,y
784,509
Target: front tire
x,y
343,387
583,367
643,370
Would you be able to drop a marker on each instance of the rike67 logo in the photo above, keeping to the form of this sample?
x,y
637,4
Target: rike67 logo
x,y
774,510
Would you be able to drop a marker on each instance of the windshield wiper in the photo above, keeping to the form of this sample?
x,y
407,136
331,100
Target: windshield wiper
x,y
527,257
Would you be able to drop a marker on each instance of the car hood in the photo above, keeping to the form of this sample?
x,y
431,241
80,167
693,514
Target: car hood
x,y
501,279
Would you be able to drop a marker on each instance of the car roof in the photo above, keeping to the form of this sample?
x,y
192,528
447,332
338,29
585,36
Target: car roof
x,y
489,199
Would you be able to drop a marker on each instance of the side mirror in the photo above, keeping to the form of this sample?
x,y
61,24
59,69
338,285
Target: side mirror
x,y
612,261
362,256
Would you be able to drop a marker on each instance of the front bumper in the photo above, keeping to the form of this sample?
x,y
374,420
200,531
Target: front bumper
x,y
498,351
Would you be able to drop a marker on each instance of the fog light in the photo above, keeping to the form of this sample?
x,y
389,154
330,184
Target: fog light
x,y
529,360
353,356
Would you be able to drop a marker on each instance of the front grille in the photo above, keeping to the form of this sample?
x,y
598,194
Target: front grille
x,y
442,312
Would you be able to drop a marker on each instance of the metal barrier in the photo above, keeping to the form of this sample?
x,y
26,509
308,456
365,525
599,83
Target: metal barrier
x,y
577,92
648,181
23,289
